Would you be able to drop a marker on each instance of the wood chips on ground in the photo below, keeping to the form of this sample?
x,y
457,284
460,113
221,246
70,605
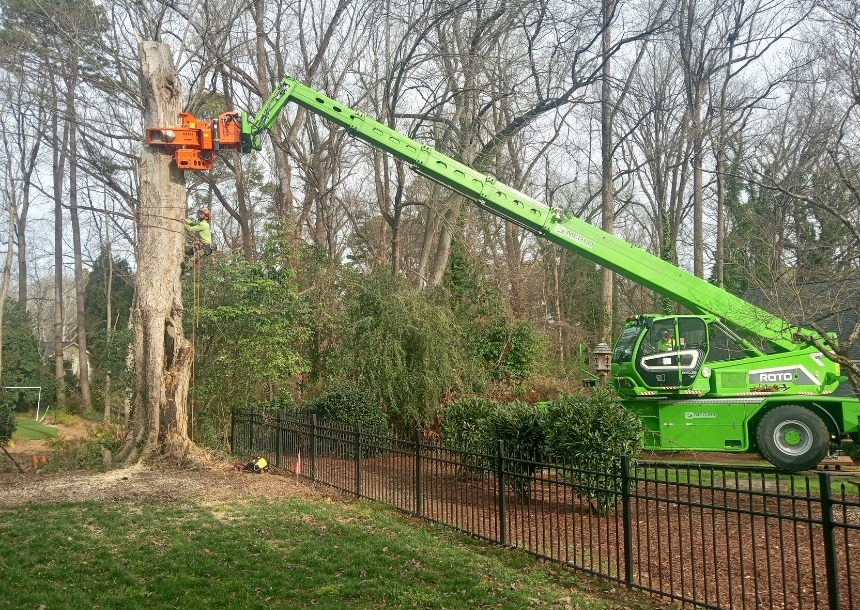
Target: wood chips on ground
x,y
143,483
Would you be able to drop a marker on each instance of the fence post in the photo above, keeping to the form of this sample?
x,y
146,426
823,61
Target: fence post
x,y
279,445
628,522
419,478
830,560
233,431
251,434
314,447
358,459
500,477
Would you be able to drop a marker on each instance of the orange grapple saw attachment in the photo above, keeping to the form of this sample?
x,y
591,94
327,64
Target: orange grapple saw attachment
x,y
195,141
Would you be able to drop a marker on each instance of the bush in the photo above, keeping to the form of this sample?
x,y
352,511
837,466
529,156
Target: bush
x,y
284,403
64,418
852,450
85,454
521,425
464,428
406,348
463,421
346,404
592,432
7,423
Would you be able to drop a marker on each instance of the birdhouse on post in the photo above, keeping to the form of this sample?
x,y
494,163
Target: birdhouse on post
x,y
603,361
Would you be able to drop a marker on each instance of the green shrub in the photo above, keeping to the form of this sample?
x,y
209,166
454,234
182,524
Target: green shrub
x,y
592,432
64,418
85,454
345,405
463,421
7,423
284,403
502,347
464,429
212,431
852,450
406,348
521,426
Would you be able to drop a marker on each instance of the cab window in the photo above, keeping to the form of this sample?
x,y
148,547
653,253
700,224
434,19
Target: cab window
x,y
623,351
660,338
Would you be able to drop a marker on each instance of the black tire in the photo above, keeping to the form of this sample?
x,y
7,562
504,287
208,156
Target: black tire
x,y
792,438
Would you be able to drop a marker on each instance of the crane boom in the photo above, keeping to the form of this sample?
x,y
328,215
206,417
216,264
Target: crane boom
x,y
568,231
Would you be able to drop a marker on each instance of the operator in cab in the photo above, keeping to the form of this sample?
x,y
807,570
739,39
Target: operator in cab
x,y
667,343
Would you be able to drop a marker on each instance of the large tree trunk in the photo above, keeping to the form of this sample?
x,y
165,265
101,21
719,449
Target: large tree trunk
x,y
162,355
58,174
80,281
607,194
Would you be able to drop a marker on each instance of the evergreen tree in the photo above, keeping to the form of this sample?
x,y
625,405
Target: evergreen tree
x,y
22,364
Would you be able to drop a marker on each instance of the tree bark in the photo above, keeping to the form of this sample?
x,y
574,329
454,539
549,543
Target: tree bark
x,y
59,167
698,188
83,356
108,322
7,274
607,193
28,164
162,354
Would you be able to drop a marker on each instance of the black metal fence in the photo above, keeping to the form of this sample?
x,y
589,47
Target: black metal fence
x,y
710,537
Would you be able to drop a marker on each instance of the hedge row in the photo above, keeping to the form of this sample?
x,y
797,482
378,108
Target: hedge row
x,y
591,431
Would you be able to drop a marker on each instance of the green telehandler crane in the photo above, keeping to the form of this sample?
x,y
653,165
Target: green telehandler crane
x,y
730,376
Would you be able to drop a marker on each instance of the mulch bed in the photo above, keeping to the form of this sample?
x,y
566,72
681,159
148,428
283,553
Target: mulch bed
x,y
733,542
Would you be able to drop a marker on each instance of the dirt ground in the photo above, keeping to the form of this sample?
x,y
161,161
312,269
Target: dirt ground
x,y
215,480
25,448
140,483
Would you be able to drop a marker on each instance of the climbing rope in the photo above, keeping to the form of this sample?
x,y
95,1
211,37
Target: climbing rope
x,y
195,320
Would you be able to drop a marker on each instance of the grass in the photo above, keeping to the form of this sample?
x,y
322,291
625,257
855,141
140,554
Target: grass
x,y
265,554
801,484
32,430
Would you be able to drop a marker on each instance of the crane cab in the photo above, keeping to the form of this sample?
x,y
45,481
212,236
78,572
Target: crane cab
x,y
660,354
687,355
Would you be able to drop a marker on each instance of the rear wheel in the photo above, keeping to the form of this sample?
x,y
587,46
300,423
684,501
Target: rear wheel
x,y
792,438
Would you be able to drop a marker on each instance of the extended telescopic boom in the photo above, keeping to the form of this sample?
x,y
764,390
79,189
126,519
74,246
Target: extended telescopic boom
x,y
700,297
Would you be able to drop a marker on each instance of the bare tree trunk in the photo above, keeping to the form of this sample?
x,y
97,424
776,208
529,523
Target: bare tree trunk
x,y
721,177
607,193
109,322
58,173
162,355
443,247
240,213
28,164
430,226
83,357
7,273
698,188
20,232
719,255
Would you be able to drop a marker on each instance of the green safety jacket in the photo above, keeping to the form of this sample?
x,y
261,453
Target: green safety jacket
x,y
200,229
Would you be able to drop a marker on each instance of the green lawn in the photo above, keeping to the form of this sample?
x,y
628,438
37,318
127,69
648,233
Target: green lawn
x,y
267,555
33,430
801,484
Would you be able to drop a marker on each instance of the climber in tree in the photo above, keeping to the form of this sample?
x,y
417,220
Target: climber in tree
x,y
201,235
